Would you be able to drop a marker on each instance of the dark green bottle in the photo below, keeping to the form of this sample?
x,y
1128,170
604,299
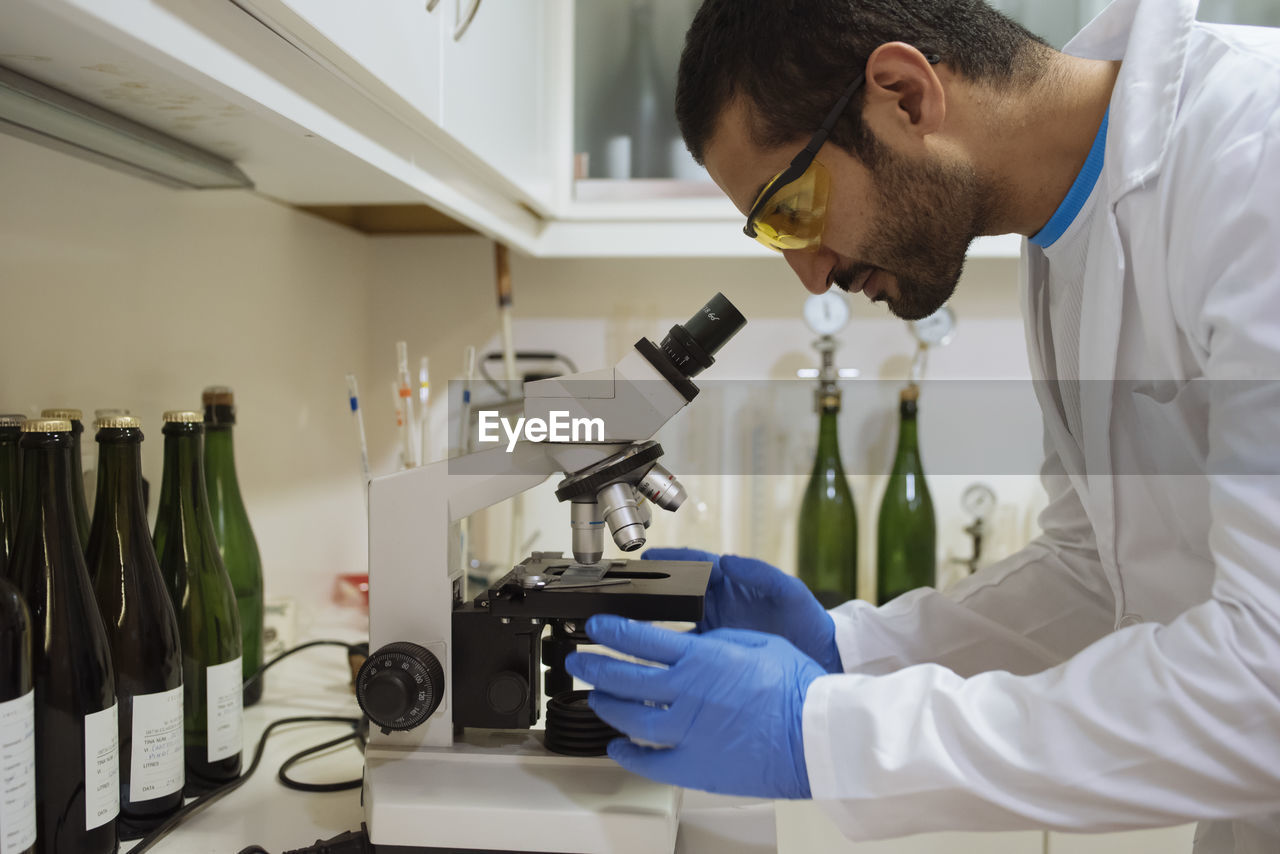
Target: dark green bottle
x,y
208,620
906,535
142,630
236,543
17,726
10,485
77,775
75,416
827,539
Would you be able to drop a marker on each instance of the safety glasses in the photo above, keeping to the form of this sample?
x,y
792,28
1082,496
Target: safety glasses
x,y
791,210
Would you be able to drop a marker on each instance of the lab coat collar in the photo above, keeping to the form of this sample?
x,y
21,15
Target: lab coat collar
x,y
1152,38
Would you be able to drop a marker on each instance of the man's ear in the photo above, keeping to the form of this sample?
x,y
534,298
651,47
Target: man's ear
x,y
904,96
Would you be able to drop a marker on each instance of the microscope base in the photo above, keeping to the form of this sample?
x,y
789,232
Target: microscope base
x,y
501,790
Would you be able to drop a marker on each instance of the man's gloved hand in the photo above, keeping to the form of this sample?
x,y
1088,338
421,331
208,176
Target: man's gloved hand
x,y
745,593
728,706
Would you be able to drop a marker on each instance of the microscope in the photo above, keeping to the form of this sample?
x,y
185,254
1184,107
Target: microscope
x,y
454,684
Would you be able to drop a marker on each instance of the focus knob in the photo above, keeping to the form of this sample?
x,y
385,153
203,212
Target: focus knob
x,y
400,686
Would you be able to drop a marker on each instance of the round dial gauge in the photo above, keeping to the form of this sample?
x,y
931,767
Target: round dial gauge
x,y
936,329
978,500
827,313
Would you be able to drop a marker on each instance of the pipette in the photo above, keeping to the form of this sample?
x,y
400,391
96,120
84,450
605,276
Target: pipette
x,y
405,392
464,421
353,397
424,392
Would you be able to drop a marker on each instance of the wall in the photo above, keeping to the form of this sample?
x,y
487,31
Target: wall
x,y
155,293
116,292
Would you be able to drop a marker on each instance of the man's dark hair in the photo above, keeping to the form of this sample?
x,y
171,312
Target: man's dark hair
x,y
792,59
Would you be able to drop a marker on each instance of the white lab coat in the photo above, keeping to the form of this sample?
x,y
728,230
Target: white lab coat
x,y
1122,671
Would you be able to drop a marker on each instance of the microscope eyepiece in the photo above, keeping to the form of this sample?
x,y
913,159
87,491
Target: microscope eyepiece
x,y
692,346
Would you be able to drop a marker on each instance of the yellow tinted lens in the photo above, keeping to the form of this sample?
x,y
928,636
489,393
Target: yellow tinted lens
x,y
794,216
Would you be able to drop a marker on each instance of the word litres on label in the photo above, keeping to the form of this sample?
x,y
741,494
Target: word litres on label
x,y
560,428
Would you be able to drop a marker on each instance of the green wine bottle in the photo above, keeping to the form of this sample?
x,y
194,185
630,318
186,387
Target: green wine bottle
x,y
17,726
906,534
208,620
75,416
827,539
10,481
236,543
142,629
77,775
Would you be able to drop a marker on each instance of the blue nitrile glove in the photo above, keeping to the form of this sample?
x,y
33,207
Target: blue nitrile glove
x,y
745,593
728,705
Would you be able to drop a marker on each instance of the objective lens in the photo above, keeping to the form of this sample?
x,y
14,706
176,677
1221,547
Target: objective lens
x,y
588,532
625,521
661,487
691,346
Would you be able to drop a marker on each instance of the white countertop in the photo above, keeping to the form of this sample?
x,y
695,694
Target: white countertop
x,y
262,811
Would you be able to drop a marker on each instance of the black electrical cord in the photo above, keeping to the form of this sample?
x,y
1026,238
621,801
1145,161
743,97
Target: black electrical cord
x,y
346,785
147,842
201,803
349,647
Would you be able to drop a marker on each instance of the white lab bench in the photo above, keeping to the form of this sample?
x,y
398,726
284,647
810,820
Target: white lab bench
x,y
316,682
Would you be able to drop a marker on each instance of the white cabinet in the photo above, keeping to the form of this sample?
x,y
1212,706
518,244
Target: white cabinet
x,y
391,53
494,98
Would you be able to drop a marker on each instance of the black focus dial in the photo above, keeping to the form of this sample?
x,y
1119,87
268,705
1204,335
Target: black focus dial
x,y
400,685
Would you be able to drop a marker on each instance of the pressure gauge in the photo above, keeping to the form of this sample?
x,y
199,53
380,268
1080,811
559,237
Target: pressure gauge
x,y
827,313
978,500
936,329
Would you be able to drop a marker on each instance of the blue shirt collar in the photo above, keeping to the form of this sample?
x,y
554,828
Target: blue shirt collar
x,y
1078,194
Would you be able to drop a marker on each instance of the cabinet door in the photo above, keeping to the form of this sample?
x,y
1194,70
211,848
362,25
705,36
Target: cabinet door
x,y
494,99
803,827
391,47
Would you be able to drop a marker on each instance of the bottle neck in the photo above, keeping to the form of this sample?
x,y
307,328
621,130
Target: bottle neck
x,y
77,429
183,486
908,455
10,483
10,463
46,488
641,23
828,456
119,497
220,465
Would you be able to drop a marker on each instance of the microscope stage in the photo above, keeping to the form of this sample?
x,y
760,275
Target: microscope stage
x,y
548,586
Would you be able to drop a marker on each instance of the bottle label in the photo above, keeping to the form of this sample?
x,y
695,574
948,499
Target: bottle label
x,y
155,767
101,767
225,698
18,774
